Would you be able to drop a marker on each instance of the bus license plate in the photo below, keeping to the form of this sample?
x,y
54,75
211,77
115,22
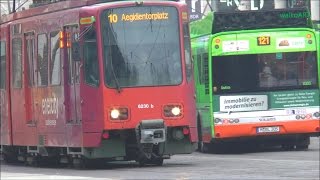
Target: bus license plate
x,y
268,129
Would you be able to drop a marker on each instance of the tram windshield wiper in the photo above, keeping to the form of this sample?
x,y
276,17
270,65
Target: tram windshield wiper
x,y
115,78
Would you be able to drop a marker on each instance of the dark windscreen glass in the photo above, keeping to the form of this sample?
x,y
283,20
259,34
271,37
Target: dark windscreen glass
x,y
263,72
141,46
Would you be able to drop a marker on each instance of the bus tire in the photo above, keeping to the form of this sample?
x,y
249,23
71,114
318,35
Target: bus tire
x,y
204,147
200,143
303,143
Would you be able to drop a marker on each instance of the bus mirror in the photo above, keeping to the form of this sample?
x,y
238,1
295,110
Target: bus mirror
x,y
76,53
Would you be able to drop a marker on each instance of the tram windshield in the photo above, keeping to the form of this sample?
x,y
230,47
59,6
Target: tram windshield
x,y
141,46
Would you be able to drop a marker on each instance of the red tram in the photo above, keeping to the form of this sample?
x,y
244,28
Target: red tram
x,y
85,80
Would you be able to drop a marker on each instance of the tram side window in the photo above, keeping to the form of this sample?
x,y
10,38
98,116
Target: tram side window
x,y
17,63
30,57
91,73
187,51
55,67
42,72
3,65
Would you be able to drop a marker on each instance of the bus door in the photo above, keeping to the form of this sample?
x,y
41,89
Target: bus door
x,y
72,85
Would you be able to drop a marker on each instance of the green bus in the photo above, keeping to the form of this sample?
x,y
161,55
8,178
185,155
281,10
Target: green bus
x,y
257,78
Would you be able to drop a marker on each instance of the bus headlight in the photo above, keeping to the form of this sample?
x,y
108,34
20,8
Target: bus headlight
x,y
119,113
172,110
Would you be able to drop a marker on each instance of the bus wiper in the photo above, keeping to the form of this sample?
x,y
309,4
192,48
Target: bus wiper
x,y
118,87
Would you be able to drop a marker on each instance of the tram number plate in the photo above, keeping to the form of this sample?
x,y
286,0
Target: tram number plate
x,y
268,129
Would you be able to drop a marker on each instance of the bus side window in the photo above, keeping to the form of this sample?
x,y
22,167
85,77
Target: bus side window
x,y
91,65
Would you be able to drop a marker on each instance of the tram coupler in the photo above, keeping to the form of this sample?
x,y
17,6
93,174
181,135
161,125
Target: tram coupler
x,y
149,134
151,131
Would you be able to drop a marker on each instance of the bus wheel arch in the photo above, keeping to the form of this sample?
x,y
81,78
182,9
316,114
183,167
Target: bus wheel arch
x,y
202,146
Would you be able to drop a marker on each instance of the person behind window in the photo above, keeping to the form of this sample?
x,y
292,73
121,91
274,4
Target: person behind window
x,y
266,77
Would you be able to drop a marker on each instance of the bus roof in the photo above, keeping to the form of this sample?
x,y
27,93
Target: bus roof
x,y
250,20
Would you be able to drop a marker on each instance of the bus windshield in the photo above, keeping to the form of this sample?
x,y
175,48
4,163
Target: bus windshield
x,y
263,72
141,46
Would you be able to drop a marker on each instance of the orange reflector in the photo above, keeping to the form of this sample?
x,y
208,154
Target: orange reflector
x,y
61,44
184,16
217,41
87,20
61,35
61,41
308,36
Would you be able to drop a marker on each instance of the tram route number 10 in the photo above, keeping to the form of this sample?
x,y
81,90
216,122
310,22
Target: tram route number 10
x,y
263,40
113,18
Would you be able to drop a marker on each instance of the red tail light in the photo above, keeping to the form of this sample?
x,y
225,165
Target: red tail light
x,y
105,135
185,131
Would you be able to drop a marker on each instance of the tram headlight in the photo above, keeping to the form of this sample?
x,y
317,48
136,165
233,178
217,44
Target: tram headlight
x,y
119,113
115,114
176,111
172,110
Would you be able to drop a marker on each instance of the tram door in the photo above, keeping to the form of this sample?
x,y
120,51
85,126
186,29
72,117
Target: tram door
x,y
72,88
5,124
29,79
24,127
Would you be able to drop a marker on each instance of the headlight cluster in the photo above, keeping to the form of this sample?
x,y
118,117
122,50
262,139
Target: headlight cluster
x,y
119,113
172,110
226,121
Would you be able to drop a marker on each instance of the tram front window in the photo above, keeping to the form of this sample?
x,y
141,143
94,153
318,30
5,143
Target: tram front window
x,y
141,46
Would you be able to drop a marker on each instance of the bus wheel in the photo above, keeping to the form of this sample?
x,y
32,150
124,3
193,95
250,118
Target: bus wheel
x,y
204,147
158,162
287,147
302,147
79,163
303,143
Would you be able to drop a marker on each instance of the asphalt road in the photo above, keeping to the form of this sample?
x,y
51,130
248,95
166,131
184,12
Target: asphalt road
x,y
271,163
